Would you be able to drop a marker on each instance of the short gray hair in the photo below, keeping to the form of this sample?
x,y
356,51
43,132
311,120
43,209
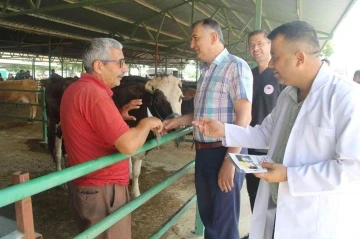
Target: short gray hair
x,y
98,49
211,24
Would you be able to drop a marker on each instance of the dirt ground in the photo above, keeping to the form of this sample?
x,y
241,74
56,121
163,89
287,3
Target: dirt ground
x,y
20,151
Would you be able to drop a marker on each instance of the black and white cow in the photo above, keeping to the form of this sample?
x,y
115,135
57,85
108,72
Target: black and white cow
x,y
161,96
53,94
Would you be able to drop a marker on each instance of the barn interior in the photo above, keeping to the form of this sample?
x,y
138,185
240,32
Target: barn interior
x,y
155,33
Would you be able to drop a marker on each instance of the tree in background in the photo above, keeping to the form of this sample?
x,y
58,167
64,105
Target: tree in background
x,y
74,69
327,50
189,71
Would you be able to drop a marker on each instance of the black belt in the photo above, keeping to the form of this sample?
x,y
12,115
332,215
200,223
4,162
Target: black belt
x,y
201,145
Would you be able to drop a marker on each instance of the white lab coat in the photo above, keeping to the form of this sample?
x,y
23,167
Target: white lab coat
x,y
321,198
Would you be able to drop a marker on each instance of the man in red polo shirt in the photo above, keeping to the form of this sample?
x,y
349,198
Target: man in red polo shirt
x,y
93,127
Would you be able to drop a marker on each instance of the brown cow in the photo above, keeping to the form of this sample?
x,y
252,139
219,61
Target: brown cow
x,y
17,96
189,91
187,105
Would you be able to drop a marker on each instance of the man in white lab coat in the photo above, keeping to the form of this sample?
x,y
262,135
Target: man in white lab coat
x,y
312,190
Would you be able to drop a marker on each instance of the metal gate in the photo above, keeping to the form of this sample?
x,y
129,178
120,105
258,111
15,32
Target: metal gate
x,y
43,183
42,105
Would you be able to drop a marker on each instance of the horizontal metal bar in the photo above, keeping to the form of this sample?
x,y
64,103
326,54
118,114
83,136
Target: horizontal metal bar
x,y
34,45
19,117
18,103
20,90
156,41
116,216
60,7
40,184
174,218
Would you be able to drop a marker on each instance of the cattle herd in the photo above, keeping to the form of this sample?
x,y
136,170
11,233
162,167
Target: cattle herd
x,y
163,96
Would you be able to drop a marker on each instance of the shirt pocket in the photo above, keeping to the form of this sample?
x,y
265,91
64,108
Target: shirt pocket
x,y
318,131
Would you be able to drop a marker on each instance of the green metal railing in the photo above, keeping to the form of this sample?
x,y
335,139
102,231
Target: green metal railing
x,y
40,184
166,226
114,217
43,118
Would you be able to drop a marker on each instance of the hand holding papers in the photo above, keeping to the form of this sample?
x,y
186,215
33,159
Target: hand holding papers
x,y
249,163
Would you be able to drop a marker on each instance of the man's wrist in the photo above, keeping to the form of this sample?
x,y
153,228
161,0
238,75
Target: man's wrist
x,y
227,160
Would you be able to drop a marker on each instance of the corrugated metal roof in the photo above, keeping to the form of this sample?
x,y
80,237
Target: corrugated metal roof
x,y
29,26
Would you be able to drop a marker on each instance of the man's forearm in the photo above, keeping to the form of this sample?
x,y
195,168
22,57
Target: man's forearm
x,y
243,118
240,122
133,139
185,119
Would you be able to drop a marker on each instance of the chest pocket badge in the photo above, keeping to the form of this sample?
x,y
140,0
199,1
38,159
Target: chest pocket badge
x,y
268,89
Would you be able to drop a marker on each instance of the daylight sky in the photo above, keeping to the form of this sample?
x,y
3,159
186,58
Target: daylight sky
x,y
346,41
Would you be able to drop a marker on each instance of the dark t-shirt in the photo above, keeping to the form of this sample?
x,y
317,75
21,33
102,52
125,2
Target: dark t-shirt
x,y
266,90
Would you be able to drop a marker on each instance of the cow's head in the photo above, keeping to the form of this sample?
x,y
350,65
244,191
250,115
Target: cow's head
x,y
168,87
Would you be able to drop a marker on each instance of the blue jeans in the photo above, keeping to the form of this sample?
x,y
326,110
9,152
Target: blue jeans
x,y
219,211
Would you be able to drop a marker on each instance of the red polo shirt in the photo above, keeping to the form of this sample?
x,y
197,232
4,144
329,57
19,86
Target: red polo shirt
x,y
91,124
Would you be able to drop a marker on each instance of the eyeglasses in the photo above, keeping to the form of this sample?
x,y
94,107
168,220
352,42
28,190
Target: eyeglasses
x,y
120,61
259,44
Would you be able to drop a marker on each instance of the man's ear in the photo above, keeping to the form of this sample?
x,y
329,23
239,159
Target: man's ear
x,y
300,58
214,37
97,66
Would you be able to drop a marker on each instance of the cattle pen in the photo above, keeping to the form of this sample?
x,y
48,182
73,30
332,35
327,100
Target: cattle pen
x,y
42,105
40,184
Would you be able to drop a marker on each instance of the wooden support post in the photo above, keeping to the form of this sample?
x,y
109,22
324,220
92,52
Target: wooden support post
x,y
23,209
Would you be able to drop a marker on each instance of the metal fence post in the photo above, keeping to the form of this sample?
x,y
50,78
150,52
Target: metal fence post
x,y
44,116
199,226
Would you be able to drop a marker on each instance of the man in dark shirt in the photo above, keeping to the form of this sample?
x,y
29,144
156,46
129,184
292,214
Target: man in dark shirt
x,y
266,90
54,75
